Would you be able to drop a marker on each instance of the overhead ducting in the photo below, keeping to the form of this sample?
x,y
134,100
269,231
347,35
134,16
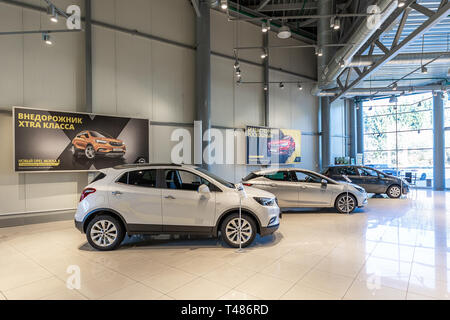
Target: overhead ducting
x,y
414,59
386,91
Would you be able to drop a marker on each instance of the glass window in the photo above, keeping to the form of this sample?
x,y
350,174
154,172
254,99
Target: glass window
x,y
279,176
100,176
398,138
366,172
142,178
309,178
184,180
348,171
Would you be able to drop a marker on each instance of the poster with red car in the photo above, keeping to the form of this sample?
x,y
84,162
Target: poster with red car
x,y
267,146
47,140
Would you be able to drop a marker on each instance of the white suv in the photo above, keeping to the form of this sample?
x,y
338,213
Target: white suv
x,y
171,199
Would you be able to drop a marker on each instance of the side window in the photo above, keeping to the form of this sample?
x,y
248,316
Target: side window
x,y
351,171
365,172
86,135
123,178
309,178
142,178
184,180
279,176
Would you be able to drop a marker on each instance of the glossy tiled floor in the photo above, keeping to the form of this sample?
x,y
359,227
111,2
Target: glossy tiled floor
x,y
393,249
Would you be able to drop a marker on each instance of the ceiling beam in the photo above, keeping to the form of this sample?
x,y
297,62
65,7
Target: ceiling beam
x,y
262,4
196,8
442,13
286,7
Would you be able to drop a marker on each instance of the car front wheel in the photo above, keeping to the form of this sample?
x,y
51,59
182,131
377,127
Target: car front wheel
x,y
237,231
345,203
89,152
394,192
105,233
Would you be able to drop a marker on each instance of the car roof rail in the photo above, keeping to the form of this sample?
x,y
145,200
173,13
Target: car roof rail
x,y
140,165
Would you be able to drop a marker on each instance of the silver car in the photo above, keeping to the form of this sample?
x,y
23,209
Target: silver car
x,y
299,188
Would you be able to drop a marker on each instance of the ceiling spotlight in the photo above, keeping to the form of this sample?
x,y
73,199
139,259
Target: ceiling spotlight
x,y
337,24
238,73
284,32
236,65
224,4
265,88
342,63
319,51
401,4
300,87
281,85
264,54
51,11
424,70
46,38
395,86
265,27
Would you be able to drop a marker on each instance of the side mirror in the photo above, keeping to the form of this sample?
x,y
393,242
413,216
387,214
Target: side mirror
x,y
324,182
204,190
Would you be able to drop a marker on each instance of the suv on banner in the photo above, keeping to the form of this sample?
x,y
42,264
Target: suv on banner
x,y
92,143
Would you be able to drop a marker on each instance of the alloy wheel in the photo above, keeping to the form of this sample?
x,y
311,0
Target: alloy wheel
x,y
104,233
234,226
346,203
394,191
90,152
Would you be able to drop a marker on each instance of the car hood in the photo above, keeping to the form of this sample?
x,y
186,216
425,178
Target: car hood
x,y
254,192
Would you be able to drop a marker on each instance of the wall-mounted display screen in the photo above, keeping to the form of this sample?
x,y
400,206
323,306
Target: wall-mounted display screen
x,y
267,146
66,141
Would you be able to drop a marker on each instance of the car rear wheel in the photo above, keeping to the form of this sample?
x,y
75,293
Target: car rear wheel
x,y
394,191
235,231
89,152
105,233
345,203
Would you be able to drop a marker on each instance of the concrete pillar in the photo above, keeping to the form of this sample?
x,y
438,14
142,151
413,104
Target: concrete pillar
x,y
88,55
439,142
359,127
266,80
324,36
203,71
325,129
352,128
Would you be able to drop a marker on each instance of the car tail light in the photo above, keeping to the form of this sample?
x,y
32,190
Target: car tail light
x,y
247,184
86,192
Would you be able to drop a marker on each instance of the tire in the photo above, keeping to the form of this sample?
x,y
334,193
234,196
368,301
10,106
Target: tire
x,y
105,241
341,205
230,232
394,191
89,152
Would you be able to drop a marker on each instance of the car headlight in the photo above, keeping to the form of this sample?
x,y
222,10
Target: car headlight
x,y
101,141
362,190
267,202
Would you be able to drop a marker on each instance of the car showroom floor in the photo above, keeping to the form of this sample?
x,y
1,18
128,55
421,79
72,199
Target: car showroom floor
x,y
393,249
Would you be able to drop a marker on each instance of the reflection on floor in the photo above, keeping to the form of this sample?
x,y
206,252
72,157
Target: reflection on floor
x,y
393,249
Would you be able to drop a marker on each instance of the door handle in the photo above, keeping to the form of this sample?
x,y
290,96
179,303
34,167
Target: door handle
x,y
170,197
116,193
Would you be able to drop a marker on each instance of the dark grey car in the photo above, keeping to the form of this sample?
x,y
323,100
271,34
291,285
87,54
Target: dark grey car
x,y
374,181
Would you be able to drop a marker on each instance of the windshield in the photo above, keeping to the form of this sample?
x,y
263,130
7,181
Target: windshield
x,y
218,179
96,134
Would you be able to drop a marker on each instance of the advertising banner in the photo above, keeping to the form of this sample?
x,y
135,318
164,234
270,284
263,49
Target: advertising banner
x,y
67,141
267,146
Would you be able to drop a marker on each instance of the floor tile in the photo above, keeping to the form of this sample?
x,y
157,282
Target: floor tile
x,y
363,291
286,270
237,295
330,283
229,276
199,289
169,280
36,290
134,292
302,292
265,287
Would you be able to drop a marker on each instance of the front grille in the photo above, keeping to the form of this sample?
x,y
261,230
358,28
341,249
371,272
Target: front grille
x,y
116,144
